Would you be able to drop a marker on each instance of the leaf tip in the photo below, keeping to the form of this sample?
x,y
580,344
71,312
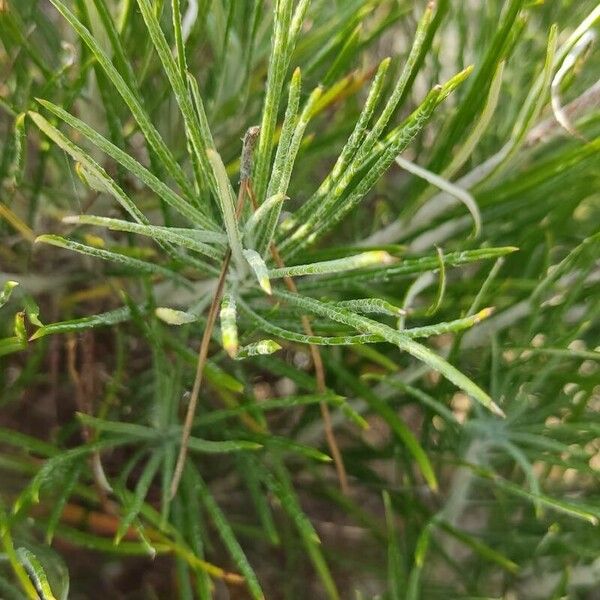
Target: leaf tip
x,y
174,317
43,102
265,284
38,334
376,257
497,410
484,314
230,345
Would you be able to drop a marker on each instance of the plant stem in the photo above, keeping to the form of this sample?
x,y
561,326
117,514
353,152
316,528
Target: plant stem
x,y
319,372
202,356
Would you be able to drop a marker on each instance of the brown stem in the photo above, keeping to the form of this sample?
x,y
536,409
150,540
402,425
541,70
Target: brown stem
x,y
319,370
321,385
202,355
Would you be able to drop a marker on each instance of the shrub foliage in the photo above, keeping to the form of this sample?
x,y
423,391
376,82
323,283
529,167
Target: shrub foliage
x,y
299,299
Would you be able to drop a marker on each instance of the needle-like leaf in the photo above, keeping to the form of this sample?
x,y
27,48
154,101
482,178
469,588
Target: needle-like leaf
x,y
403,342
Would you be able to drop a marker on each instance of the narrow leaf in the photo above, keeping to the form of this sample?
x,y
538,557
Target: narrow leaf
x,y
358,261
262,347
194,239
397,338
229,332
36,571
228,538
150,132
137,265
134,503
227,203
133,166
6,292
259,267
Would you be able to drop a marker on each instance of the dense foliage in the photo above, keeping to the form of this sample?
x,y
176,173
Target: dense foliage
x,y
299,299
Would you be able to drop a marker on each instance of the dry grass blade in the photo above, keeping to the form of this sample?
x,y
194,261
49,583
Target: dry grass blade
x,y
213,312
202,356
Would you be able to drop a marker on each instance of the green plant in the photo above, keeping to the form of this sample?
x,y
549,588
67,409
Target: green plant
x,y
330,316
